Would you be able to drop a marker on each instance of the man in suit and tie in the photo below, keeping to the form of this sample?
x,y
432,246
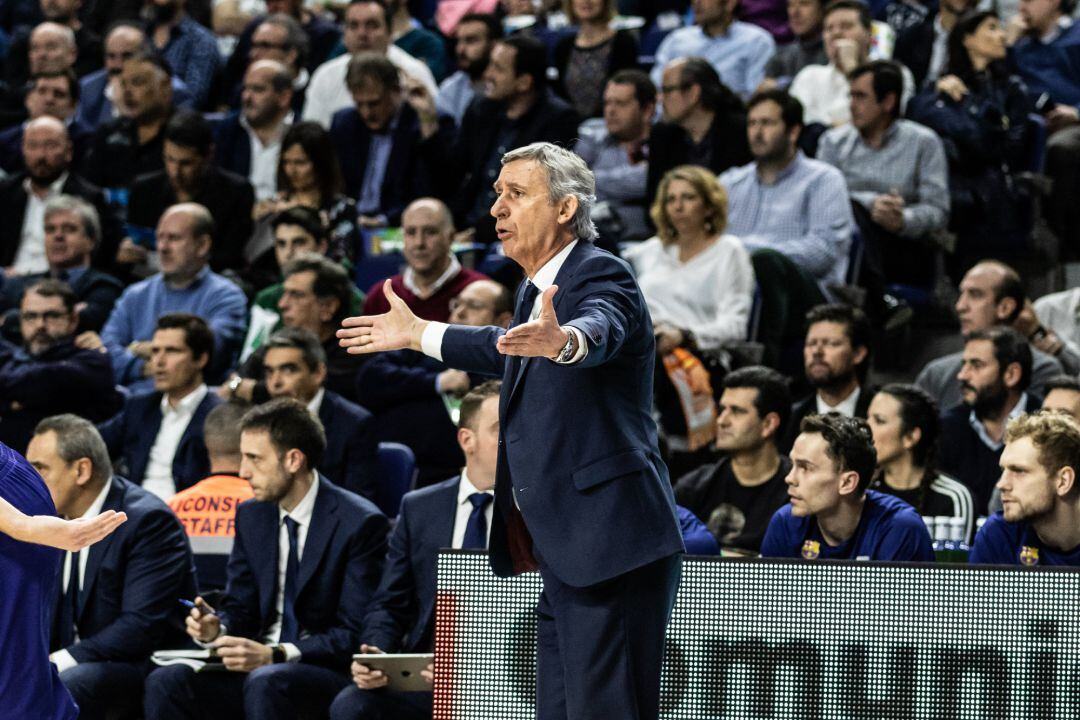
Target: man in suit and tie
x,y
116,601
294,365
455,513
578,465
836,358
305,563
158,435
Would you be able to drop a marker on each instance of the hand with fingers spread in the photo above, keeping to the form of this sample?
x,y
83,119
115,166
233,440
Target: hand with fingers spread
x,y
70,535
394,330
542,337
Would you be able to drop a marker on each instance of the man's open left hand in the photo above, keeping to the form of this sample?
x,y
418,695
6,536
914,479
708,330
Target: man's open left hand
x,y
542,337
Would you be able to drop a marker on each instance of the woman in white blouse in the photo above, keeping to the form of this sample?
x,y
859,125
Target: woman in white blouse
x,y
698,282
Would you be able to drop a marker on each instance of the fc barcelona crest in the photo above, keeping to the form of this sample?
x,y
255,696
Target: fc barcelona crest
x,y
811,549
1029,555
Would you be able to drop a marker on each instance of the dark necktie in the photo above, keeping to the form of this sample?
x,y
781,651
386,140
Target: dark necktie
x,y
290,627
476,529
65,630
521,316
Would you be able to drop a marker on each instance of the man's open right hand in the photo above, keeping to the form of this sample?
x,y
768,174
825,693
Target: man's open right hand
x,y
397,329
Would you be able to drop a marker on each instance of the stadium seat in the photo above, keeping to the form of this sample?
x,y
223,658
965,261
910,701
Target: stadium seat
x,y
397,465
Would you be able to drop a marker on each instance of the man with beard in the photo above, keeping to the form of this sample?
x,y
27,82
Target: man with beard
x,y
836,359
994,376
792,214
474,37
991,294
47,152
617,150
737,496
131,145
433,276
248,142
49,374
100,96
54,93
189,48
190,176
1040,520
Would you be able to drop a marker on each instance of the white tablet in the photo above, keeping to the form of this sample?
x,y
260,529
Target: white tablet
x,y
403,669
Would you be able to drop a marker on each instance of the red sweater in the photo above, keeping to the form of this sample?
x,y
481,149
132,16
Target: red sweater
x,y
436,307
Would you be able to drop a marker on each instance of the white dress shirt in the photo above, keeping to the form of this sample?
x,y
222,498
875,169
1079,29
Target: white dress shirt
x,y
845,407
264,158
825,94
302,515
327,92
316,402
174,421
30,257
431,340
465,508
62,658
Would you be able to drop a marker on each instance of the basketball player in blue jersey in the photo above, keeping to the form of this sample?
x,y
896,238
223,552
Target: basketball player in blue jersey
x,y
1039,523
831,514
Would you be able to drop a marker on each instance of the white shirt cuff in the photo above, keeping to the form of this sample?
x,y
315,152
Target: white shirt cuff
x,y
582,346
431,339
292,653
63,661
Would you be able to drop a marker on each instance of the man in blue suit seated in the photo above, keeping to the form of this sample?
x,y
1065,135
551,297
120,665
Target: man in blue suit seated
x,y
1040,496
116,601
294,365
158,435
305,563
832,515
581,491
455,513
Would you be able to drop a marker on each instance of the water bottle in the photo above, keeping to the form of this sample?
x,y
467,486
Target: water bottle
x,y
941,536
961,549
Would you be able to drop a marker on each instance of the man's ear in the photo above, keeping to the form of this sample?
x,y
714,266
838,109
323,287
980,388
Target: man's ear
x,y
466,440
567,207
849,483
1005,308
293,460
1012,375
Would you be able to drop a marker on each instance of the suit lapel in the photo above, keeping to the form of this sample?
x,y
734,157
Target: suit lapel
x,y
114,500
323,524
264,564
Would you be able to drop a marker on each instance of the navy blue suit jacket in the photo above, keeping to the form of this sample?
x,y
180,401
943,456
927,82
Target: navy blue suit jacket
x,y
402,615
127,602
131,434
578,442
351,457
408,173
11,155
94,108
232,146
339,572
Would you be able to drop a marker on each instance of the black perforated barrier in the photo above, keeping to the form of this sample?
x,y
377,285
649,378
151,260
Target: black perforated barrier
x,y
756,639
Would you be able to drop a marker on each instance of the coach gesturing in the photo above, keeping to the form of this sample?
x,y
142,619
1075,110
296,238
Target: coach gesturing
x,y
581,492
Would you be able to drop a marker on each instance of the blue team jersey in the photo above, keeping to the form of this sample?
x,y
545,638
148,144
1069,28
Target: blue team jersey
x,y
1000,542
889,529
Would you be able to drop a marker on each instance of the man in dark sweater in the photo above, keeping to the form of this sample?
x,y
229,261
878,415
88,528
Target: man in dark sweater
x,y
994,377
737,496
433,276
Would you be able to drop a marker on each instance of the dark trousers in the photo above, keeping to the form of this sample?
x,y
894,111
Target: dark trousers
x,y
283,691
105,689
890,258
1063,209
787,294
600,648
352,703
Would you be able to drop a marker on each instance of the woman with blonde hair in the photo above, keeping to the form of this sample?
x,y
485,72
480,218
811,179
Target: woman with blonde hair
x,y
697,280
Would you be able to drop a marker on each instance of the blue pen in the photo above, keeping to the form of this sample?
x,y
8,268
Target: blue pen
x,y
188,604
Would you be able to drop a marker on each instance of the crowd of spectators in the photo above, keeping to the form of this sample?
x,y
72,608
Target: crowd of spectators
x,y
196,193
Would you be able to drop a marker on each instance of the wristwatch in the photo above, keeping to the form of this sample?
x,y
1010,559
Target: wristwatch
x,y
234,384
569,349
277,654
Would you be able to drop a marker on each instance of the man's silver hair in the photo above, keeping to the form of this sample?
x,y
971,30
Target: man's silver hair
x,y
77,438
87,214
567,175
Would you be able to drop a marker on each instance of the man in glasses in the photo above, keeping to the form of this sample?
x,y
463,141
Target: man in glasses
x,y
48,374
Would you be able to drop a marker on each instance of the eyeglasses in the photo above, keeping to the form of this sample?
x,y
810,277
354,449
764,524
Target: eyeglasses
x,y
668,89
47,316
260,45
468,305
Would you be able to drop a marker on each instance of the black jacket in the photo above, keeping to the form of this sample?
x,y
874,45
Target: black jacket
x,y
669,147
94,290
808,406
13,210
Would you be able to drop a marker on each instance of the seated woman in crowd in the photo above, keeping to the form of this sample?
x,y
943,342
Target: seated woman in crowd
x,y
980,112
309,175
697,281
587,58
904,422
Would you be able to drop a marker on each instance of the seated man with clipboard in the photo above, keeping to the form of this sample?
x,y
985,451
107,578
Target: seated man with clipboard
x,y
401,619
